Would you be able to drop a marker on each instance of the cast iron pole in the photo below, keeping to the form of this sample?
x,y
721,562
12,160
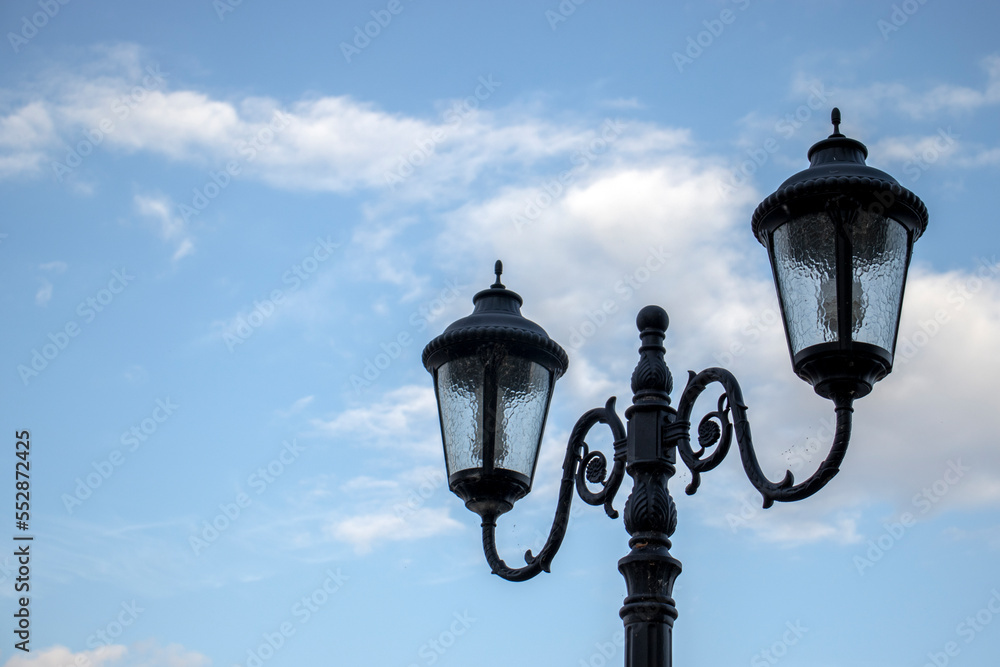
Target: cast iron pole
x,y
650,514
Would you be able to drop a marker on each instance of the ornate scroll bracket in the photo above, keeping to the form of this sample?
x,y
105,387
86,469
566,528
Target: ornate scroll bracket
x,y
580,467
731,418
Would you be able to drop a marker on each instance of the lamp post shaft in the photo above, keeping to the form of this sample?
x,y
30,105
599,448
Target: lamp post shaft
x,y
650,514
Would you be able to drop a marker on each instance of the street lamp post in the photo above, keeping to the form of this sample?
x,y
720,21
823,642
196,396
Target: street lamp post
x,y
839,235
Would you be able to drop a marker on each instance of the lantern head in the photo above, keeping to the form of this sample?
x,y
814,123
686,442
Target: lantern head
x,y
494,374
840,235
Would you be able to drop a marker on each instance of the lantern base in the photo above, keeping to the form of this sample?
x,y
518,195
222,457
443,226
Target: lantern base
x,y
835,371
490,494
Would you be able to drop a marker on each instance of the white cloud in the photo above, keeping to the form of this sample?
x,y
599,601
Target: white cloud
x,y
169,226
296,407
367,484
401,418
332,143
340,144
55,266
25,137
144,654
591,258
938,407
903,149
921,104
403,503
639,219
363,532
954,98
922,442
59,656
44,293
298,296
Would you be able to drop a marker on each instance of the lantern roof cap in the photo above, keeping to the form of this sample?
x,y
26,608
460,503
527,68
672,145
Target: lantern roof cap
x,y
496,318
837,167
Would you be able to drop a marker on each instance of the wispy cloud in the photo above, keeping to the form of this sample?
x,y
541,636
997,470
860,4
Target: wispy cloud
x,y
55,266
651,183
26,137
296,407
364,531
169,226
403,418
57,656
144,654
44,293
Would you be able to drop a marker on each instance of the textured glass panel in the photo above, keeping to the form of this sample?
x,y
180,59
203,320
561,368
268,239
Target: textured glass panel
x,y
460,399
880,246
805,263
521,404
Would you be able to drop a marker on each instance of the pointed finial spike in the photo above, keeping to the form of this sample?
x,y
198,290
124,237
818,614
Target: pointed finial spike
x,y
498,269
835,119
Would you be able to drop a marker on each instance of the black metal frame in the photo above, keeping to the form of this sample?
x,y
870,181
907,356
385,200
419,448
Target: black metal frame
x,y
647,450
646,447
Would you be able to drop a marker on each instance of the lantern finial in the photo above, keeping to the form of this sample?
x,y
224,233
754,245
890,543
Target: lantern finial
x,y
498,269
835,119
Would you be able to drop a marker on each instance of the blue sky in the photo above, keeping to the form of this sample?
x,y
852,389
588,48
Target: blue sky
x,y
228,230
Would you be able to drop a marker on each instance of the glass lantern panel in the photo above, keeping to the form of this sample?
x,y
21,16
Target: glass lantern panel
x,y
460,399
879,269
805,267
522,400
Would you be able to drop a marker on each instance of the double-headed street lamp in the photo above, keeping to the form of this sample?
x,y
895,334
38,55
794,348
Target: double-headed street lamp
x,y
839,235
